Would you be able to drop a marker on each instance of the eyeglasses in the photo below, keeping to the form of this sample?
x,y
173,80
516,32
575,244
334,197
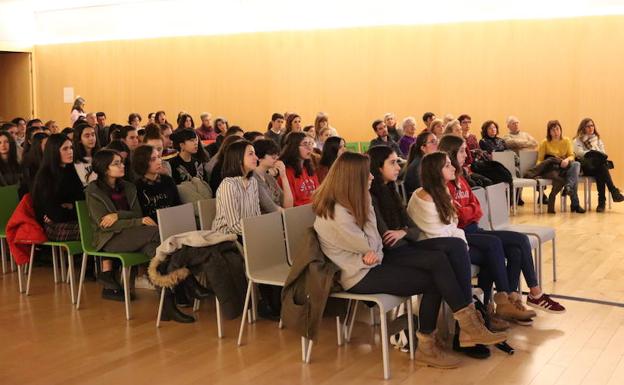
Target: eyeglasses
x,y
307,144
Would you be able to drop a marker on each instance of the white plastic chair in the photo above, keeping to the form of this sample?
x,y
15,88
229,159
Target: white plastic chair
x,y
507,159
178,220
297,221
207,211
499,219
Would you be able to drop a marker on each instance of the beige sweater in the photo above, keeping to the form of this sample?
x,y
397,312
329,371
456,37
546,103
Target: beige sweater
x,y
345,243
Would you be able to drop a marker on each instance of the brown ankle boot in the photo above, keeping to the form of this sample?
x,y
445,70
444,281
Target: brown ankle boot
x,y
507,310
516,300
473,331
428,353
497,324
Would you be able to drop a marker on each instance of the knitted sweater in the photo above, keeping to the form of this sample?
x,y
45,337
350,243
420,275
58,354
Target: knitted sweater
x,y
425,215
561,148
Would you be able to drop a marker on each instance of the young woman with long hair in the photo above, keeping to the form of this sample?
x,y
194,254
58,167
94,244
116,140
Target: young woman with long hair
x,y
272,196
77,110
590,151
297,156
31,161
56,189
433,210
116,216
10,170
347,229
516,246
85,146
333,148
425,143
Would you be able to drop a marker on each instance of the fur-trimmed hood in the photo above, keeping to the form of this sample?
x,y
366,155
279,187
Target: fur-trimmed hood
x,y
200,238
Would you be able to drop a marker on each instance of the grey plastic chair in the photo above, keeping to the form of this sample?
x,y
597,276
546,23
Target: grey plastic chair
x,y
499,219
178,220
265,257
297,221
507,159
207,211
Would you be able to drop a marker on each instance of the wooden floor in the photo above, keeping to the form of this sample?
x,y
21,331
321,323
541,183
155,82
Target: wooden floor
x,y
46,341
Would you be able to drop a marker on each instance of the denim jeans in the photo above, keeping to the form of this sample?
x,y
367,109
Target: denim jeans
x,y
571,177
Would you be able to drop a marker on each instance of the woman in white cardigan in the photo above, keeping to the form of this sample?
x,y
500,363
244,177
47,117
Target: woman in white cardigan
x,y
589,149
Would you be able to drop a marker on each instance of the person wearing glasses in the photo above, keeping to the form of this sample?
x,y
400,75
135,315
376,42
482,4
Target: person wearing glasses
x,y
297,156
425,143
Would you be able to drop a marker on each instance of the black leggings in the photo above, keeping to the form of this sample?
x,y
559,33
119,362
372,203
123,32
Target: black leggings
x,y
407,271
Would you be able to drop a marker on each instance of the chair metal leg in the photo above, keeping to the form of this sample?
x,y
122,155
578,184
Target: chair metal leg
x,y
384,342
309,351
254,304
515,202
554,258
30,266
304,346
83,269
70,272
219,325
4,256
160,306
539,261
534,202
19,278
125,272
54,264
62,264
13,264
410,326
245,308
350,330
339,332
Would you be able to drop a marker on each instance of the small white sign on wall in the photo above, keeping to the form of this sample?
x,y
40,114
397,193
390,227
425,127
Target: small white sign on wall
x,y
68,95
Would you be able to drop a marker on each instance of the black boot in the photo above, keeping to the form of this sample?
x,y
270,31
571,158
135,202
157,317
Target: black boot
x,y
170,312
194,289
108,280
617,195
479,352
181,299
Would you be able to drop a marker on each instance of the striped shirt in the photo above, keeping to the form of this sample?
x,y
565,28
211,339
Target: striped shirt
x,y
235,202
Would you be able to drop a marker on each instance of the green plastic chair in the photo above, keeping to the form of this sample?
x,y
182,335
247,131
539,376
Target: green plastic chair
x,y
353,146
127,259
9,199
364,146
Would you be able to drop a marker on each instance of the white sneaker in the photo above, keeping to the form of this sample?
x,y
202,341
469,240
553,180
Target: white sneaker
x,y
143,282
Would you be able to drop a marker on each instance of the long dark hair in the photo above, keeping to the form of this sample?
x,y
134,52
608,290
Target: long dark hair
x,y
550,125
100,164
11,165
79,149
31,161
233,160
433,183
49,177
451,145
387,198
182,119
416,147
290,154
330,151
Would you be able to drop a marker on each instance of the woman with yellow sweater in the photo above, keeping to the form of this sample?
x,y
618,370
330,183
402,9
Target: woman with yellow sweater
x,y
559,147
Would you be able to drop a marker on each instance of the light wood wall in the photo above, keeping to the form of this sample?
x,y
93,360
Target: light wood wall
x,y
15,86
538,70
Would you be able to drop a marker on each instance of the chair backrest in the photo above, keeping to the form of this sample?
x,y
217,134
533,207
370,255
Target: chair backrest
x,y
507,159
296,221
528,160
84,224
176,220
263,243
353,146
484,222
207,211
9,200
364,146
499,204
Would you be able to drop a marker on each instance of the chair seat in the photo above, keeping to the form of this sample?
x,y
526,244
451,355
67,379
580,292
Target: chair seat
x,y
543,232
74,247
386,301
274,275
127,259
524,182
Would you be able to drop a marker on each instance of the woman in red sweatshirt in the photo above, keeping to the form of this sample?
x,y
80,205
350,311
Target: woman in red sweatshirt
x,y
297,156
516,246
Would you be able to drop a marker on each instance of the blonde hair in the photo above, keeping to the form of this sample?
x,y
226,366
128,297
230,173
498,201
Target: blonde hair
x,y
448,129
346,183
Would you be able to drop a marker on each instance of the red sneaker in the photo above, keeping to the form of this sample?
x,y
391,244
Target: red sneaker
x,y
545,303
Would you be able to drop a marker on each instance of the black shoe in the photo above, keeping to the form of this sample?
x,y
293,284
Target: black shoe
x,y
520,202
600,208
194,289
113,295
567,190
265,311
171,313
479,352
107,279
181,299
577,209
617,196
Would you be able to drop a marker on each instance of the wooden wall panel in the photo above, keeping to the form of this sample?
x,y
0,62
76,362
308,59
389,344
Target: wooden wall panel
x,y
535,69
